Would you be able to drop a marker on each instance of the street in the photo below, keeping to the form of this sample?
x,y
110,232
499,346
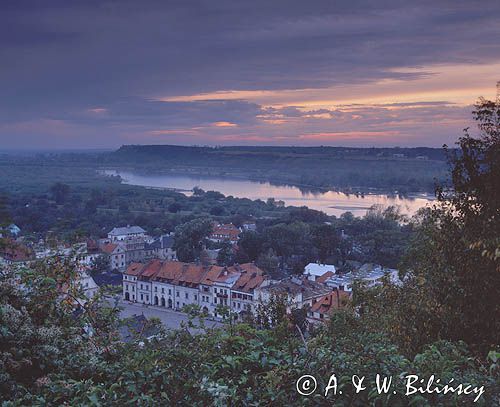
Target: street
x,y
170,319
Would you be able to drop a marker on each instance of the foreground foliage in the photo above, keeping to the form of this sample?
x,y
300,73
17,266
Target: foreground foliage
x,y
52,356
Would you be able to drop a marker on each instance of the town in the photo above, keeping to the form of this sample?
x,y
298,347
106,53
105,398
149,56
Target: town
x,y
152,276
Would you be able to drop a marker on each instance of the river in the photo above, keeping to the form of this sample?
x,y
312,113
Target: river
x,y
330,202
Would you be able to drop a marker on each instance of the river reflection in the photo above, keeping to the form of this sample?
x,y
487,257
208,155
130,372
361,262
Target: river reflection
x,y
331,202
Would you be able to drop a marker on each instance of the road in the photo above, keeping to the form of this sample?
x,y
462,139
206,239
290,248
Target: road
x,y
170,319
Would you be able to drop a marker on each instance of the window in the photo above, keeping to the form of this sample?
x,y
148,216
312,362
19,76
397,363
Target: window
x,y
215,290
133,288
142,297
186,295
163,290
147,298
177,304
195,297
169,291
156,289
215,300
126,287
177,293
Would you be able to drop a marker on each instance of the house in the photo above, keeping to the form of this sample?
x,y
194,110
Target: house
x,y
144,281
249,226
321,309
134,247
313,271
116,254
369,274
130,281
225,233
123,233
87,284
91,253
160,248
13,229
299,292
244,289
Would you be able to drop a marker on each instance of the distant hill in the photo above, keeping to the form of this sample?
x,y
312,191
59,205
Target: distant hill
x,y
402,169
168,152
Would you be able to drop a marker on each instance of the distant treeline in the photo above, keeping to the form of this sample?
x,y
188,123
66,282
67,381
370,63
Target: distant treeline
x,y
402,169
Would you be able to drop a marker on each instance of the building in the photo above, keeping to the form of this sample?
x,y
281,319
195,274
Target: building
x,y
173,284
315,270
123,233
160,248
299,292
225,233
13,229
322,308
87,284
134,247
369,274
243,291
116,254
249,226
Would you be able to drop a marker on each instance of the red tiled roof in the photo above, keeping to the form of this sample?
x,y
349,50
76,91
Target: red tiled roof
x,y
181,273
228,230
212,275
247,276
151,269
324,277
134,269
330,301
250,278
109,248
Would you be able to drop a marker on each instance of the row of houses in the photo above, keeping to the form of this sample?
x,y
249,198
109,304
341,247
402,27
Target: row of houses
x,y
173,284
242,287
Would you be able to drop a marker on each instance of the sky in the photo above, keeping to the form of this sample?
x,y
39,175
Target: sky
x,y
100,74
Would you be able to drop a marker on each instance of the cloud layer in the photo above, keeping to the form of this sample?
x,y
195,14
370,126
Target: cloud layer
x,y
103,73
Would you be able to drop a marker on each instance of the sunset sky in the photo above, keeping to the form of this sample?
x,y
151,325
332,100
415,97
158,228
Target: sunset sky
x,y
99,74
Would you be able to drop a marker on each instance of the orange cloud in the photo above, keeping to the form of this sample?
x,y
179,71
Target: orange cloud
x,y
224,124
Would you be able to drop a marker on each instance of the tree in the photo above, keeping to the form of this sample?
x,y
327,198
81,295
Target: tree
x,y
225,257
268,262
174,207
5,218
60,192
251,242
190,238
326,240
453,266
